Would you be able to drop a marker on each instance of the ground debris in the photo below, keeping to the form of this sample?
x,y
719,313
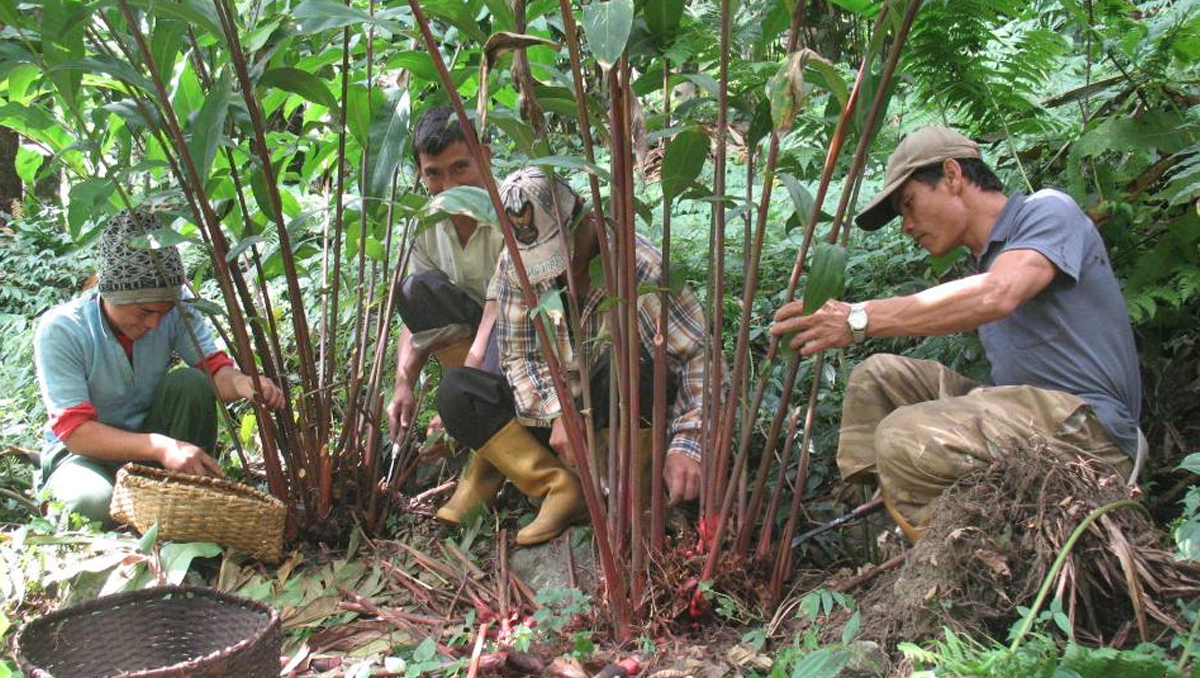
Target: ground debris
x,y
992,539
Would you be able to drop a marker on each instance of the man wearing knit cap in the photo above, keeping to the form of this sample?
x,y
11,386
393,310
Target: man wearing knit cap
x,y
104,363
1050,315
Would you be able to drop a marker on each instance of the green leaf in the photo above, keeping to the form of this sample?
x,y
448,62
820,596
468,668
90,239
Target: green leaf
x,y
864,7
28,163
194,13
458,14
1190,463
850,630
205,306
303,83
418,63
387,143
164,43
683,161
86,200
470,201
662,18
62,41
176,559
208,128
19,80
243,245
826,276
607,26
549,305
146,543
828,76
785,89
316,16
374,249
706,82
262,194
358,107
823,663
801,198
426,650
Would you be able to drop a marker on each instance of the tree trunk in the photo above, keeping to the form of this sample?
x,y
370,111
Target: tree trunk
x,y
10,183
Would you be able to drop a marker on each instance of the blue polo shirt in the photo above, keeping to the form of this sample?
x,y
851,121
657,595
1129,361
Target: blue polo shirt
x,y
1075,335
79,360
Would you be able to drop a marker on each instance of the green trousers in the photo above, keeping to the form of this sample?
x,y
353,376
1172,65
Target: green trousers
x,y
184,408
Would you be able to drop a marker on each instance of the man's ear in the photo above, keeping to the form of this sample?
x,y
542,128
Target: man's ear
x,y
952,174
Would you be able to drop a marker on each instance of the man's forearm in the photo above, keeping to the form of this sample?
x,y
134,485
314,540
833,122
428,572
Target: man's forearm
x,y
486,323
409,359
107,443
956,306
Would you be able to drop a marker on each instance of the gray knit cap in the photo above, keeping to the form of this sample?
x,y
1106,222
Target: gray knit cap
x,y
133,273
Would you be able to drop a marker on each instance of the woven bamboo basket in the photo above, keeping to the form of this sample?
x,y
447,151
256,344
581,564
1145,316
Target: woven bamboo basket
x,y
195,508
165,631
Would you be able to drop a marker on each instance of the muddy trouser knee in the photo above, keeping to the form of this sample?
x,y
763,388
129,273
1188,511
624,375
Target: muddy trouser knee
x,y
922,449
184,408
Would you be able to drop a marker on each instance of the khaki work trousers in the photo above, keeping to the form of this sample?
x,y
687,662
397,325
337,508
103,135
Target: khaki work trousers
x,y
919,426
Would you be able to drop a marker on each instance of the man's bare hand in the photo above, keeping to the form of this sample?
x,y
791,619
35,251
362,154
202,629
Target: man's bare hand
x,y
560,443
400,409
827,327
271,395
177,455
681,474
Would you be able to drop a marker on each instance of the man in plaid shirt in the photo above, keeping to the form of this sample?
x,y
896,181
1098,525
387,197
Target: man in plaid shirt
x,y
515,423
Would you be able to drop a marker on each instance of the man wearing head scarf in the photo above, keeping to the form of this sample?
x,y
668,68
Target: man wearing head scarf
x,y
1050,315
515,423
104,364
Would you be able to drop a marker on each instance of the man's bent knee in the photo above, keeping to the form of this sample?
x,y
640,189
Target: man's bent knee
x,y
474,404
83,487
188,383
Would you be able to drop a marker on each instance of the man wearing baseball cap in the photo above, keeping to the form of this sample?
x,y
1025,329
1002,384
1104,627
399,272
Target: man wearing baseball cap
x,y
1049,312
513,421
103,363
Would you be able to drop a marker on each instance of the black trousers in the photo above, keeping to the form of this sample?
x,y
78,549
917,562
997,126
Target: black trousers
x,y
429,301
476,404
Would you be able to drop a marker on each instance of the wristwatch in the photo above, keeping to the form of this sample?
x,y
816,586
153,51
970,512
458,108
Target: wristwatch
x,y
857,320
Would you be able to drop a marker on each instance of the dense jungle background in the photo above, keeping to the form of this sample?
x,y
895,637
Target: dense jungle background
x,y
273,139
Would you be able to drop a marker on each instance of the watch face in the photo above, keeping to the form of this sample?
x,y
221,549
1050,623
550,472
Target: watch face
x,y
857,319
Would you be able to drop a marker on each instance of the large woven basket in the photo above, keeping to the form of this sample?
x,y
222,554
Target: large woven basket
x,y
154,633
195,508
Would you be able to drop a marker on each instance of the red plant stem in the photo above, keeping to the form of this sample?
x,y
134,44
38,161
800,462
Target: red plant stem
x,y
329,317
659,420
210,222
784,559
317,409
715,481
613,575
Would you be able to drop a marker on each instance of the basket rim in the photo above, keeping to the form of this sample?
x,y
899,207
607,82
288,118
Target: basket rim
x,y
140,471
273,624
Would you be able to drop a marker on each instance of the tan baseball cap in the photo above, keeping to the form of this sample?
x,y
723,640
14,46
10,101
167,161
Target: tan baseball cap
x,y
923,147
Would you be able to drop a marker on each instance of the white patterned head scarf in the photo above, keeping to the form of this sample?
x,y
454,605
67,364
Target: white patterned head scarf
x,y
538,210
134,273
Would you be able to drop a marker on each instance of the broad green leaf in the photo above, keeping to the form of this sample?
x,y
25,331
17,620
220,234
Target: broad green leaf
x,y
683,161
358,108
176,558
550,305
128,110
85,201
28,163
502,15
417,63
62,41
374,249
388,143
316,16
262,194
516,129
823,663
570,163
426,650
607,26
195,13
850,630
785,89
1191,463
828,76
300,82
243,244
826,276
662,17
705,81
103,64
164,43
864,7
801,198
206,307
208,128
470,201
19,80
146,543
456,13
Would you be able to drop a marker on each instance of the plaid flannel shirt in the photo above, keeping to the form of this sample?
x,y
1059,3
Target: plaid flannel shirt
x,y
529,375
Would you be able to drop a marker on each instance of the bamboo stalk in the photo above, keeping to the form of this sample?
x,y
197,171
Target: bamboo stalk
x,y
570,414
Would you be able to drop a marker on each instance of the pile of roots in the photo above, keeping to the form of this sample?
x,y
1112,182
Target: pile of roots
x,y
992,539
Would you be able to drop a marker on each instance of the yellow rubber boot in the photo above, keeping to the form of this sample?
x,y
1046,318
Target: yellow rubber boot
x,y
478,486
453,355
537,472
913,533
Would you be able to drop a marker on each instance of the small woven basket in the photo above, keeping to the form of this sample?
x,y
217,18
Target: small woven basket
x,y
196,508
171,631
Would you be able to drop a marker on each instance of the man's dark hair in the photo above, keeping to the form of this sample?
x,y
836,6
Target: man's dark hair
x,y
974,169
436,129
